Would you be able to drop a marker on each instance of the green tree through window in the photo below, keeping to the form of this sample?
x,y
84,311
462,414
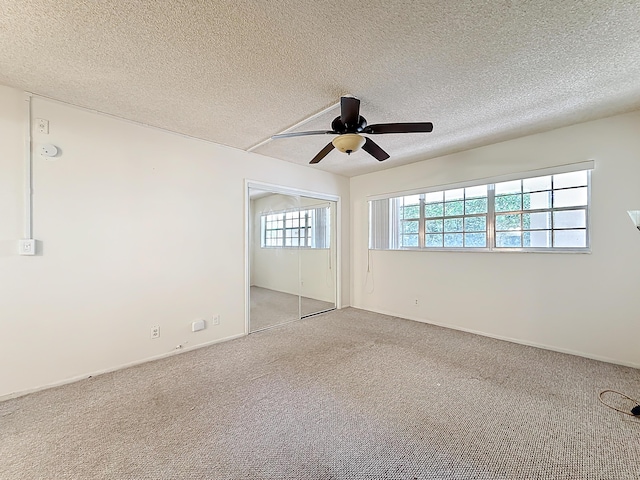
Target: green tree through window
x,y
538,213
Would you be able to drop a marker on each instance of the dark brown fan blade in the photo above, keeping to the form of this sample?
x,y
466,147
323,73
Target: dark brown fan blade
x,y
302,134
418,127
322,153
349,111
373,149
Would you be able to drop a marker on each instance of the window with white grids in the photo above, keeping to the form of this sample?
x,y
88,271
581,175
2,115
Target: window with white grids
x,y
410,220
543,213
456,218
296,228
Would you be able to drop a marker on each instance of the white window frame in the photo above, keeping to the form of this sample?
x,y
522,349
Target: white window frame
x,y
550,210
393,244
306,240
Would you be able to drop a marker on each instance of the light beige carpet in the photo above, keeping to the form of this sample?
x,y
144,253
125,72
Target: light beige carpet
x,y
344,395
269,307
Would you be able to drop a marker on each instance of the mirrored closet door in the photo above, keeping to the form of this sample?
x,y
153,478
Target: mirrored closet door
x,y
317,258
292,257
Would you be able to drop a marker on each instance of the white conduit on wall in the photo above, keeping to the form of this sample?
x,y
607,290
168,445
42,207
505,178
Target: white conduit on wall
x,y
28,171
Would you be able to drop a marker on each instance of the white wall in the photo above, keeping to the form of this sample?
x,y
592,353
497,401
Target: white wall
x,y
581,303
139,227
305,271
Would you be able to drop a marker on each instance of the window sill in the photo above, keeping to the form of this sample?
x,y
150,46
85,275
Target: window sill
x,y
488,250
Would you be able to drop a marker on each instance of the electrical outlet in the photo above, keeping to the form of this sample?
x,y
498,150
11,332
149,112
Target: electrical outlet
x,y
216,319
27,246
416,304
155,331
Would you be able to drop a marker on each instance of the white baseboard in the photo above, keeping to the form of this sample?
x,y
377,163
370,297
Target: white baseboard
x,y
84,376
508,339
382,312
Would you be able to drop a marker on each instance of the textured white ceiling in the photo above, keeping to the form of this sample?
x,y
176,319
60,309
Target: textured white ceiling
x,y
236,72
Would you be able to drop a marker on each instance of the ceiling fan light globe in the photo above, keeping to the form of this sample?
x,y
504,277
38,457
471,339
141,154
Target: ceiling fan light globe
x,y
349,142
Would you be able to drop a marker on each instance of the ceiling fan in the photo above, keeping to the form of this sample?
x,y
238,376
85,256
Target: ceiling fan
x,y
350,125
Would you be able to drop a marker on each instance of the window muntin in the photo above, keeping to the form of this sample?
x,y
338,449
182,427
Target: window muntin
x,y
541,213
273,228
410,220
296,228
456,218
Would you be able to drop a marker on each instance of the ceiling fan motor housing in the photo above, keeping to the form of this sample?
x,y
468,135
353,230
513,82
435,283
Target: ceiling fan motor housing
x,y
339,127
